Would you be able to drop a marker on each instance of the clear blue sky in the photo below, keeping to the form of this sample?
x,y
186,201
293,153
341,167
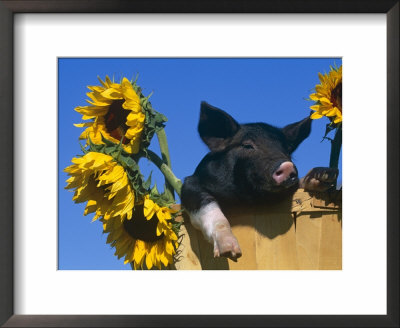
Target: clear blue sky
x,y
251,90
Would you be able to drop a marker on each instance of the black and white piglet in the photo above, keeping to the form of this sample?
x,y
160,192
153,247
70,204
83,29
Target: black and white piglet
x,y
248,164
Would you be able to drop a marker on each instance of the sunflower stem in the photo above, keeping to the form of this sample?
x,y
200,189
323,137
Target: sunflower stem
x,y
162,140
336,145
170,179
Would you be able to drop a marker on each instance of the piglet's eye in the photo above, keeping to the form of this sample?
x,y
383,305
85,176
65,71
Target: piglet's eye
x,y
248,145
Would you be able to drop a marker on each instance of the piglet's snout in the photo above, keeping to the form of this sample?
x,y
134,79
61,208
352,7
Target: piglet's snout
x,y
285,171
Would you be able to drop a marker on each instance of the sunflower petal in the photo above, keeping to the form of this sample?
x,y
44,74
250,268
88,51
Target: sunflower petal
x,y
112,94
315,116
127,90
149,208
92,111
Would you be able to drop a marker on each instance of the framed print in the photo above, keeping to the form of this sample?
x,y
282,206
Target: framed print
x,y
50,52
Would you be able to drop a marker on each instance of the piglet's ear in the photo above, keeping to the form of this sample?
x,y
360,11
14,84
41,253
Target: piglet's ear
x,y
295,133
216,126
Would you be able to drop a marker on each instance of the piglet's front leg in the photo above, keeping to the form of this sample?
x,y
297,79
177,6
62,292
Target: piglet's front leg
x,y
217,230
319,179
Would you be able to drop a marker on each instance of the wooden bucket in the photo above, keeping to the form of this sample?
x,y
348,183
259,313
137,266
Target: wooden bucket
x,y
303,235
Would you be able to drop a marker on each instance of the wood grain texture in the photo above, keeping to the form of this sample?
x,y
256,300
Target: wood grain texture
x,y
306,235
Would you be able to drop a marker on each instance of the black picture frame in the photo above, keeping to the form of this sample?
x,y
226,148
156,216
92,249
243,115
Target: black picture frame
x,y
7,11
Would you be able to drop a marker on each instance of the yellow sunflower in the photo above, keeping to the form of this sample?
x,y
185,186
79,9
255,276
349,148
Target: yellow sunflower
x,y
115,113
328,96
139,241
101,182
163,214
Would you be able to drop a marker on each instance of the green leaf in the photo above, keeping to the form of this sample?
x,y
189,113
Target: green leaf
x,y
329,128
147,184
84,150
154,192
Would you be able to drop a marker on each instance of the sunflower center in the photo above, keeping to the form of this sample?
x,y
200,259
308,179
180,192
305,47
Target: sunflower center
x,y
115,120
336,96
141,228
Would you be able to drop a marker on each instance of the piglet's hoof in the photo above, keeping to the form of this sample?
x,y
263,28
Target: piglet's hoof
x,y
319,179
226,245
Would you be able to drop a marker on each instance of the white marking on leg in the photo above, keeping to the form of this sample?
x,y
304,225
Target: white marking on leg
x,y
217,230
207,218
